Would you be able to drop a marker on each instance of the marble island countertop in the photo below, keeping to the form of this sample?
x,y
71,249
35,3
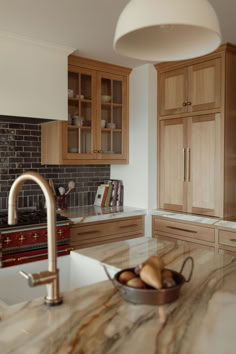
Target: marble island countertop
x,y
93,213
95,319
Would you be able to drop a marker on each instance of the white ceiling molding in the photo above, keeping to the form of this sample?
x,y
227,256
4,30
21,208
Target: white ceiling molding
x,y
4,35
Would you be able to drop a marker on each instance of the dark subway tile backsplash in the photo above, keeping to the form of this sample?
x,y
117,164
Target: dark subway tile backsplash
x,y
20,151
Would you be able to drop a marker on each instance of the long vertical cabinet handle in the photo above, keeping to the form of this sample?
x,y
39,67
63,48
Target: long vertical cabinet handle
x,y
184,164
188,162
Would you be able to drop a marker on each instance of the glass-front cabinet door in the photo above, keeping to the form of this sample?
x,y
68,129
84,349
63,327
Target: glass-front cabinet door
x,y
79,137
112,125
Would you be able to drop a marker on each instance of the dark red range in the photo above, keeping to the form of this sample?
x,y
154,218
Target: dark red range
x,y
27,241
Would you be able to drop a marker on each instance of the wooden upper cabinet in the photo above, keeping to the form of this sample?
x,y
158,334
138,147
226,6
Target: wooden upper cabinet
x,y
172,90
193,88
173,143
112,133
196,144
97,130
204,86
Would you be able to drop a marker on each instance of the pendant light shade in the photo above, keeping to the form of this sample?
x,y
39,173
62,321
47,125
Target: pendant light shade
x,y
166,30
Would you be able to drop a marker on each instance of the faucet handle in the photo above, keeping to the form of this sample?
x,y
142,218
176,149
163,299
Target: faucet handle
x,y
39,278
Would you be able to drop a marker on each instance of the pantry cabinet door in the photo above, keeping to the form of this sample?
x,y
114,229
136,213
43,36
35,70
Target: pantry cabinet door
x,y
172,173
204,85
204,170
173,92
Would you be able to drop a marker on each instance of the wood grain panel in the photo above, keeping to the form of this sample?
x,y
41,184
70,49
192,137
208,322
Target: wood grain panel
x,y
227,238
172,164
178,229
204,83
173,92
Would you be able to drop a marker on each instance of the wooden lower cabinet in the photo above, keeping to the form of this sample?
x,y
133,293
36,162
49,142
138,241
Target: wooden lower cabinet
x,y
175,230
227,241
102,232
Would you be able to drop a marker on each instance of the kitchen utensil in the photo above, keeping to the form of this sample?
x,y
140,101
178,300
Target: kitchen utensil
x,y
111,125
61,190
152,296
106,98
51,184
70,93
72,149
71,185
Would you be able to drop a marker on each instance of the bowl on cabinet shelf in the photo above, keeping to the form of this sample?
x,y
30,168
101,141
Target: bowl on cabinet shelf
x,y
106,99
111,125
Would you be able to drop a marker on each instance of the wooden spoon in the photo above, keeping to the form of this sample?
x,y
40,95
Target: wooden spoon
x,y
51,184
71,185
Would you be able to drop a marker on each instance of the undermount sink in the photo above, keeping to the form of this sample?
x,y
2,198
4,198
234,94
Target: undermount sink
x,y
75,271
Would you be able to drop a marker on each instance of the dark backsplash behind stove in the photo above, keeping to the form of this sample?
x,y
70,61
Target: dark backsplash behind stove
x,y
20,151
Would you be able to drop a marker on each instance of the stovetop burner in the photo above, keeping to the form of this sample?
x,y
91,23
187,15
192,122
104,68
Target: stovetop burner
x,y
29,218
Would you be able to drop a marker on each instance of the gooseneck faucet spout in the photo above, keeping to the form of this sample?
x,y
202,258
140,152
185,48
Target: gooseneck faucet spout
x,y
50,277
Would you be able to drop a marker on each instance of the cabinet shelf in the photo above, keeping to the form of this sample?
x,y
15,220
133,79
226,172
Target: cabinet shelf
x,y
79,99
78,127
111,104
111,129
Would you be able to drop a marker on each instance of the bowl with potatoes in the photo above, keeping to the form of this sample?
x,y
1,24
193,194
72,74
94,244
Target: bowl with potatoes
x,y
151,283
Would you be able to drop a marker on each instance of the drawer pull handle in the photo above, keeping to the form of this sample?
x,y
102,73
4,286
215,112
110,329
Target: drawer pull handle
x,y
179,229
9,260
88,232
233,240
125,226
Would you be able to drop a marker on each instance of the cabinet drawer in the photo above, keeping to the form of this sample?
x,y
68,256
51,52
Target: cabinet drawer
x,y
181,229
99,230
227,238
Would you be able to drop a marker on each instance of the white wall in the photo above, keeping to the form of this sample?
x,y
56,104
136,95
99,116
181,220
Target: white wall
x,y
140,175
33,78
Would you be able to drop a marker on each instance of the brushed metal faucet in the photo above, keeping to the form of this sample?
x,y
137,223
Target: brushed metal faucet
x,y
51,277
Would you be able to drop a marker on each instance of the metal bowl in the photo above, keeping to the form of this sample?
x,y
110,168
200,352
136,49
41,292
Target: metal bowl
x,y
152,296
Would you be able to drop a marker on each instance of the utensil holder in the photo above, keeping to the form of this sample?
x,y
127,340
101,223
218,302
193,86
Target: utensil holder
x,y
61,202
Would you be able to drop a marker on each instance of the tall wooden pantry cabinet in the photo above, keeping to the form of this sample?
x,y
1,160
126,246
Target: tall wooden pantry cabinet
x,y
197,134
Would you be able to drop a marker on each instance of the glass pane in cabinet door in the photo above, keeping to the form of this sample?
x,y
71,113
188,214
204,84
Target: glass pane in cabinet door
x,y
86,87
85,140
73,85
117,92
106,116
73,140
86,114
79,140
117,117
106,142
117,142
73,111
106,91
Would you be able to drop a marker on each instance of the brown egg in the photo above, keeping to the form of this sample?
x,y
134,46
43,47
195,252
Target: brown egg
x,y
151,275
126,276
136,283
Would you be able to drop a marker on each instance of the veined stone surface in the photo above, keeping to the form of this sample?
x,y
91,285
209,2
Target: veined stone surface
x,y
95,319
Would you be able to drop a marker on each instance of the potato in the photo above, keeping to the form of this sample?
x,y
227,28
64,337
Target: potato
x,y
136,283
167,274
126,276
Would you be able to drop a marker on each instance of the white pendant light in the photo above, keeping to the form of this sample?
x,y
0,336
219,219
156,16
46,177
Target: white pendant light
x,y
166,30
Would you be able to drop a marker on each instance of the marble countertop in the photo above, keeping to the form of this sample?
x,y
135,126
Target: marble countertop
x,y
95,319
93,213
213,221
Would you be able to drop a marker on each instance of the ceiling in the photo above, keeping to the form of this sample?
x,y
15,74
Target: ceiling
x,y
87,25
